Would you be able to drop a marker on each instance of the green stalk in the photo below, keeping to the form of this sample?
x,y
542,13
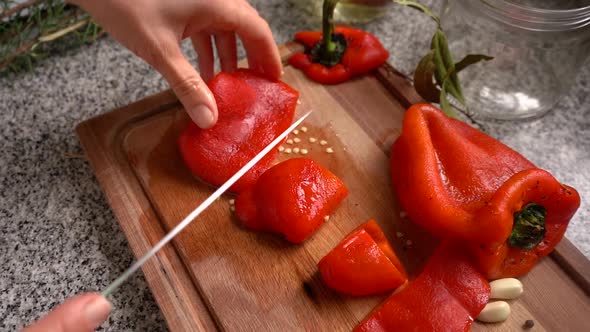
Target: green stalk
x,y
529,227
328,27
331,48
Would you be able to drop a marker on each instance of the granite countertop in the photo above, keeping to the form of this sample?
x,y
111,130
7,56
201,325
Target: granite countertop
x,y
59,235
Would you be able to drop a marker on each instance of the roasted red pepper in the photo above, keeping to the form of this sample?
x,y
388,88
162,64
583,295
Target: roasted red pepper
x,y
291,198
459,183
336,55
446,296
363,263
253,111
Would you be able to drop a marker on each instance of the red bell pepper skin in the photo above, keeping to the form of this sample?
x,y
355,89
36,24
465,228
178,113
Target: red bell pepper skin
x,y
459,183
446,296
363,263
364,53
291,198
253,111
500,260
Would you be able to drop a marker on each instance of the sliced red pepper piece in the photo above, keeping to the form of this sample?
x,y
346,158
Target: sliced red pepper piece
x,y
291,198
363,263
459,183
364,52
253,111
446,296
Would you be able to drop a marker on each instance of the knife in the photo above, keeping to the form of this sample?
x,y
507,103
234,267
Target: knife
x,y
193,215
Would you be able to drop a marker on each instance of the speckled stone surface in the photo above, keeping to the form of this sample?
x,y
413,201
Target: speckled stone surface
x,y
58,234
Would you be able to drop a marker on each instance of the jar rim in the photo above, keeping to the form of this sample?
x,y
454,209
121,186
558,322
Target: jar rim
x,y
537,19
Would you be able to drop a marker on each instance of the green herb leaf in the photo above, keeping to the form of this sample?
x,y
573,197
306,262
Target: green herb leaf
x,y
445,105
439,63
445,66
420,7
471,59
441,69
424,79
25,26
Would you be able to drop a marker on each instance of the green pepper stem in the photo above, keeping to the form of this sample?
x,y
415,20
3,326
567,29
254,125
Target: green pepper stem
x,y
529,227
328,46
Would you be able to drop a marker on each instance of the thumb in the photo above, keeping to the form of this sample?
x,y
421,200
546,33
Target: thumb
x,y
189,88
83,313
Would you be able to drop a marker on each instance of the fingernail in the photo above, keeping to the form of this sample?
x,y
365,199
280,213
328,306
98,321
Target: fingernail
x,y
202,116
97,311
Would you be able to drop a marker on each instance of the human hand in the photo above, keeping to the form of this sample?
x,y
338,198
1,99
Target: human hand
x,y
83,313
153,30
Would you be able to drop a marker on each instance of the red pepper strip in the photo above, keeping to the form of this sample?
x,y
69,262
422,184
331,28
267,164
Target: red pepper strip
x,y
445,297
253,111
459,183
291,198
364,52
363,263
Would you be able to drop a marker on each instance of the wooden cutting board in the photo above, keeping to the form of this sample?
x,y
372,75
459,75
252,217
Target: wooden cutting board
x,y
219,276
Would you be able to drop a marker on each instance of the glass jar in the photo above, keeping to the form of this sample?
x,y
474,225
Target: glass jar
x,y
537,52
347,11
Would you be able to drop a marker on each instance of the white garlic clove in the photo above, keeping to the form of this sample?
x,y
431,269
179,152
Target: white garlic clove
x,y
506,289
494,312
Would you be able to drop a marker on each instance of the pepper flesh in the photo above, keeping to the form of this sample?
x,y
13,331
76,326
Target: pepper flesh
x,y
253,111
446,296
291,198
363,263
459,183
364,52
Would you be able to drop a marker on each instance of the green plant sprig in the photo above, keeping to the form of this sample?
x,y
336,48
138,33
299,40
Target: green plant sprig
x,y
436,75
29,31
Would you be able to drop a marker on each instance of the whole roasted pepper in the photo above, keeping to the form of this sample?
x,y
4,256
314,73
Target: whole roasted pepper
x,y
446,296
337,54
363,263
459,183
291,198
253,111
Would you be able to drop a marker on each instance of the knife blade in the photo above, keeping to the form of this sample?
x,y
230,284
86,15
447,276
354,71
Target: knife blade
x,y
196,212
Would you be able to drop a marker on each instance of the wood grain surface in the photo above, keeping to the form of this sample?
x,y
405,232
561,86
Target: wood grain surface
x,y
219,276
